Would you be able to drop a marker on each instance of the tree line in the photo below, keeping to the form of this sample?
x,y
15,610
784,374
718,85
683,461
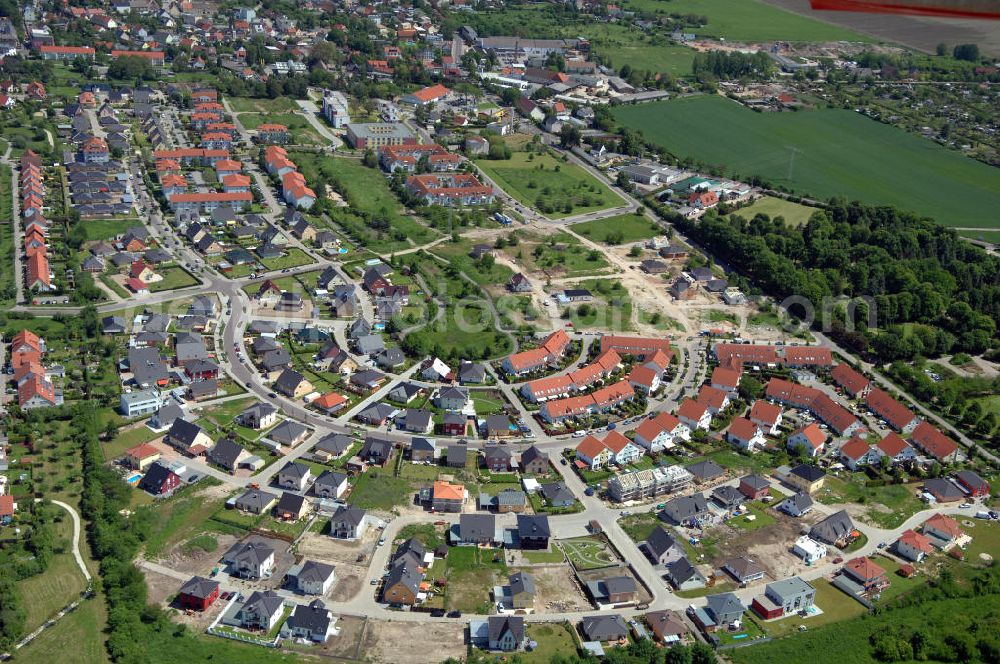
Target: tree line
x,y
914,270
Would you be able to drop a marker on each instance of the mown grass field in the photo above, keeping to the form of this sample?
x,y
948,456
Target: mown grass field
x,y
748,20
368,193
556,189
250,105
826,153
794,214
619,229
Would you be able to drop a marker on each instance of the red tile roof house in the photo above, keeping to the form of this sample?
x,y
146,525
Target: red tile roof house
x,y
856,453
638,346
867,574
644,379
942,530
726,379
745,434
913,546
450,189
623,450
208,201
810,439
716,400
807,356
429,95
235,183
592,453
543,389
7,509
854,384
896,449
898,416
767,416
929,439
694,415
661,433
552,348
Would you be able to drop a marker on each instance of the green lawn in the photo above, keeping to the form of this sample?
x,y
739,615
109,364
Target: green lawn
x,y
891,505
294,257
174,277
794,214
79,637
127,439
248,105
483,271
471,573
586,552
180,517
553,639
377,489
825,153
541,557
620,229
762,518
835,604
640,526
369,196
748,20
466,330
554,188
60,584
560,254
104,229
302,133
661,58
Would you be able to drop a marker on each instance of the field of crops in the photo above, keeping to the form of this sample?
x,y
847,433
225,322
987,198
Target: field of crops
x,y
826,153
749,20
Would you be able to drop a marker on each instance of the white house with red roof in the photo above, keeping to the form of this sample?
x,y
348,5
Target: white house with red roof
x,y
592,453
856,453
716,400
767,416
930,439
809,438
694,415
623,450
897,449
913,546
661,433
745,434
644,378
726,379
942,530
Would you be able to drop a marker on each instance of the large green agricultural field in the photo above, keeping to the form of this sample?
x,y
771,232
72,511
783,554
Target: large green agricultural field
x,y
748,21
556,189
825,153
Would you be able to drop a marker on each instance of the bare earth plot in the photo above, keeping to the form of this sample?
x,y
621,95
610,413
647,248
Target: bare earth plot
x,y
437,642
922,32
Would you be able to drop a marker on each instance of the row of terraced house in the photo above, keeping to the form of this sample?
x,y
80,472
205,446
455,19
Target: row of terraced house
x,y
293,184
37,273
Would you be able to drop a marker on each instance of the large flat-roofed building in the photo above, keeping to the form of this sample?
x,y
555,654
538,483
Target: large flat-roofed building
x,y
335,108
531,48
363,135
648,483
